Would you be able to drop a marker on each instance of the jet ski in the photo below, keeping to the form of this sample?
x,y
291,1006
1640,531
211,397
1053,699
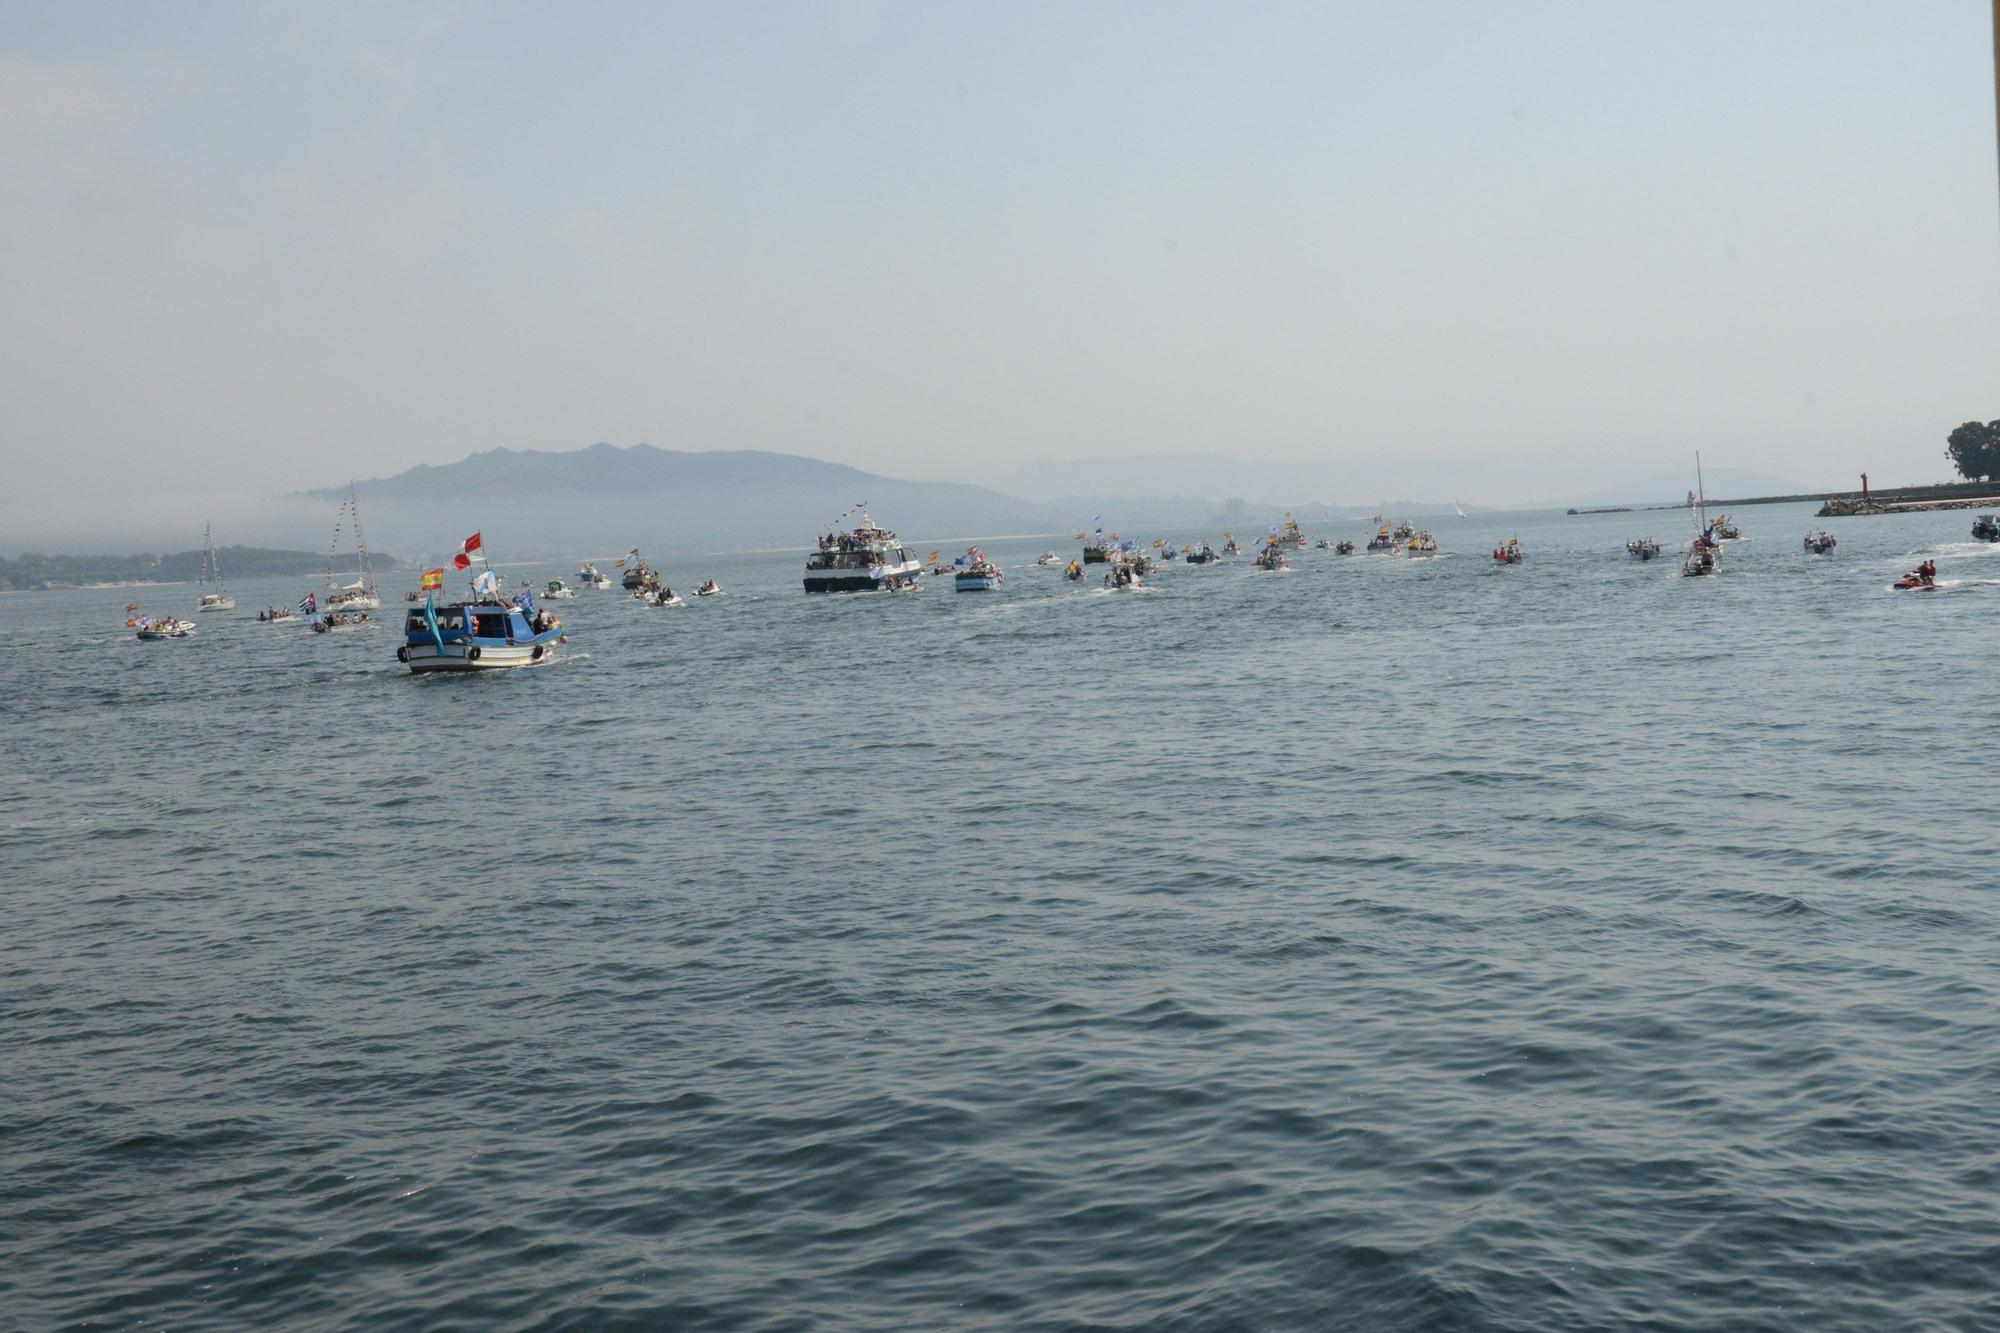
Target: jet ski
x,y
1914,581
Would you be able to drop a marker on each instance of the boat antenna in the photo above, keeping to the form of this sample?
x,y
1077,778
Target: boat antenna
x,y
1996,76
1701,491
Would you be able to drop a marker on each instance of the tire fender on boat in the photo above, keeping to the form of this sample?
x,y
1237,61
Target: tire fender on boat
x,y
403,653
536,656
472,653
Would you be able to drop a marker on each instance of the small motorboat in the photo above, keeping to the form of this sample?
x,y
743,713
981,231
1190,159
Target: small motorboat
x,y
1203,554
709,588
591,577
336,622
666,597
1048,558
1074,571
1700,559
1382,543
1986,528
1343,547
977,573
1819,543
1322,545
1272,559
275,615
1726,531
130,607
1642,548
151,628
555,589
1124,578
1229,546
1421,543
1511,553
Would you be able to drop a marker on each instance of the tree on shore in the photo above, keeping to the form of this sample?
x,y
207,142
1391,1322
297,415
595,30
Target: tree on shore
x,y
1974,449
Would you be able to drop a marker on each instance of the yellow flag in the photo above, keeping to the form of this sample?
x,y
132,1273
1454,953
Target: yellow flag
x,y
621,562
931,559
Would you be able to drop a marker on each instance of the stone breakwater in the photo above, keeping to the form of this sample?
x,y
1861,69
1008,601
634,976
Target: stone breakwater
x,y
1845,507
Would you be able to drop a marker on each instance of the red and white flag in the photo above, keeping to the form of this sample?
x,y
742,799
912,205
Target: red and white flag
x,y
463,560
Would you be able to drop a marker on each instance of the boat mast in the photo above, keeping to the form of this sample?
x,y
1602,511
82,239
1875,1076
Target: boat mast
x,y
361,542
1996,76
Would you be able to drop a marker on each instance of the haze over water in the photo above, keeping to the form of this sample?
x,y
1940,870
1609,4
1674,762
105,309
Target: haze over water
x,y
1385,944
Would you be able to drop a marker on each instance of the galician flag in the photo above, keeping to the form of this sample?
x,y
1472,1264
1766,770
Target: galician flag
x,y
463,560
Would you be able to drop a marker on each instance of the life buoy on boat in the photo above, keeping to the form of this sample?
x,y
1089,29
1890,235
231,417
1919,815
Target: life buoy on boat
x,y
472,653
403,653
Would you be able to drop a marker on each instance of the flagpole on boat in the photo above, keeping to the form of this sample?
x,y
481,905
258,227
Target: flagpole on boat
x,y
1996,82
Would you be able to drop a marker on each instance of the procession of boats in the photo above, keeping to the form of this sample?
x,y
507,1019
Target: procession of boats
x,y
487,631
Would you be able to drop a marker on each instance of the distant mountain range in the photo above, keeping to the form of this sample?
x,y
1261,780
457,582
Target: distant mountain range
x,y
605,498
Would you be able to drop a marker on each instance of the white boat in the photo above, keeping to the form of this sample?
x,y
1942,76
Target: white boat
x,y
482,635
866,558
1048,558
671,599
362,594
1124,577
591,577
710,588
1642,548
211,567
343,622
162,627
556,589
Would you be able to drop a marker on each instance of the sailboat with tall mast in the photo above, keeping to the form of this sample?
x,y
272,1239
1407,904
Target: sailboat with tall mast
x,y
1704,553
211,568
362,594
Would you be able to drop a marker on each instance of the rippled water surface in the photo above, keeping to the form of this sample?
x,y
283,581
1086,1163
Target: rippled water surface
x,y
1385,944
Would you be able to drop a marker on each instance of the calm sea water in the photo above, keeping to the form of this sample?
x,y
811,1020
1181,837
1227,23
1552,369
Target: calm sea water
x,y
1387,944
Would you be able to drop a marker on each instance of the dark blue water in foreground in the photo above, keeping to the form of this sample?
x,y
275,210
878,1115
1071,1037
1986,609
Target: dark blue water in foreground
x,y
1385,945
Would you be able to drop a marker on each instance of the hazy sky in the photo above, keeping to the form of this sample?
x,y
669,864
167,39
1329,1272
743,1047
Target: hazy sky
x,y
256,247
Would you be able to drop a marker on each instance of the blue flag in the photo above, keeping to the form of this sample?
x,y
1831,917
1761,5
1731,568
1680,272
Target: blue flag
x,y
525,600
431,621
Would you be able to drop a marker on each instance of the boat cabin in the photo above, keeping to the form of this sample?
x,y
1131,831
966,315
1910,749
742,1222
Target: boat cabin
x,y
489,623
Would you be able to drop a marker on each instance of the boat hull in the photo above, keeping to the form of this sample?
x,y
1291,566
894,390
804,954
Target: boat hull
x,y
427,658
873,579
217,604
975,583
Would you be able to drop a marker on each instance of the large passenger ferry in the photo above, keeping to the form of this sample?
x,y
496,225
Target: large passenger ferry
x,y
865,558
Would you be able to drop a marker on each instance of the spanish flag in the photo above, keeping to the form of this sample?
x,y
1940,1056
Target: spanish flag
x,y
433,578
931,559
